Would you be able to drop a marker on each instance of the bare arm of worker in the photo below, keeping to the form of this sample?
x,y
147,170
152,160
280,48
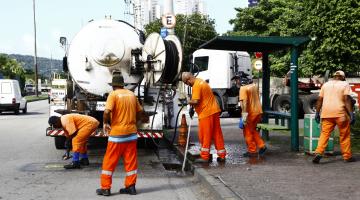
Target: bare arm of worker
x,y
319,104
142,116
243,105
348,104
193,102
106,116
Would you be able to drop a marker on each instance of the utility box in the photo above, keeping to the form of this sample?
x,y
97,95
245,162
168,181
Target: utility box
x,y
312,131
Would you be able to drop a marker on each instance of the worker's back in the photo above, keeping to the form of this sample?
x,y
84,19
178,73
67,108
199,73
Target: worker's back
x,y
250,94
207,101
334,93
124,106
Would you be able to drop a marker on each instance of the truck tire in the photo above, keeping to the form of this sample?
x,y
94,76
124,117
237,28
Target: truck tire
x,y
218,100
309,103
59,142
24,111
282,104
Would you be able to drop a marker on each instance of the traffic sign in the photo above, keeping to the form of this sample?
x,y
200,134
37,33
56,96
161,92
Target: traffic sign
x,y
258,64
168,21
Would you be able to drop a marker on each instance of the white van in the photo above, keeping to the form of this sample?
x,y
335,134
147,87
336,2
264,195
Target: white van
x,y
10,96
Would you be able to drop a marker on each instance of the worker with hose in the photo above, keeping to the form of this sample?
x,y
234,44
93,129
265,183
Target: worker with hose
x,y
208,110
250,116
122,110
78,128
336,110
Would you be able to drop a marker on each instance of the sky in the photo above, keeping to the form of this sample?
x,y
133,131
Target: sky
x,y
56,18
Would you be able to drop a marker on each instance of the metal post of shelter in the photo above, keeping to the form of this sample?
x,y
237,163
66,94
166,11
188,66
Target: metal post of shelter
x,y
266,91
294,99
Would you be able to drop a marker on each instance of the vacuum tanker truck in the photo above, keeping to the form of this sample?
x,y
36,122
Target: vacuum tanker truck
x,y
151,69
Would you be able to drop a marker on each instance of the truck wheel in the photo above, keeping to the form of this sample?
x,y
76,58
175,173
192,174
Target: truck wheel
x,y
25,109
309,103
218,100
283,104
60,142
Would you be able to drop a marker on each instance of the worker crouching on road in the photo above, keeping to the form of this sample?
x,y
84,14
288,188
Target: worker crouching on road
x,y
78,128
121,111
336,109
208,111
251,115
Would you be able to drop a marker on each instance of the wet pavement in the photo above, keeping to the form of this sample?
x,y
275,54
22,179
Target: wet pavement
x,y
280,174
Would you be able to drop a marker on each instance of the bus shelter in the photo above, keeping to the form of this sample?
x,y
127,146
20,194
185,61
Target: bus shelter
x,y
267,45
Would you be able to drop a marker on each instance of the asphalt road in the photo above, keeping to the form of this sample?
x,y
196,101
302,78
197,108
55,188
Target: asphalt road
x,y
31,167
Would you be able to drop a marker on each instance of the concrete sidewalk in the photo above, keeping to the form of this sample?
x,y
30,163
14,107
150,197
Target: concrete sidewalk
x,y
280,174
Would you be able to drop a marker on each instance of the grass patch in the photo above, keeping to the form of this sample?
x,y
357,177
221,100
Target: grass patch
x,y
35,98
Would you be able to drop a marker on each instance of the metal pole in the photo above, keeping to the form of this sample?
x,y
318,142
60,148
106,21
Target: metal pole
x,y
186,147
294,100
265,91
35,55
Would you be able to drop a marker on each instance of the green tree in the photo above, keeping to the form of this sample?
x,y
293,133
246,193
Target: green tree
x,y
334,25
11,69
192,30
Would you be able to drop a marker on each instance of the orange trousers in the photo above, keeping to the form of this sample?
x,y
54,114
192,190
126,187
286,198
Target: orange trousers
x,y
210,130
251,135
126,150
327,126
83,134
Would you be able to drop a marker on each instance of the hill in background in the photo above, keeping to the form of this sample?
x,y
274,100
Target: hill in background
x,y
45,65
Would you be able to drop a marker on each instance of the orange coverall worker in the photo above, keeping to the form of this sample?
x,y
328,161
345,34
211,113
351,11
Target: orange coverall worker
x,y
123,105
83,126
250,97
209,119
333,112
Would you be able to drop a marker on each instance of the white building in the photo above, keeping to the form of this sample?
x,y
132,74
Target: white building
x,y
146,11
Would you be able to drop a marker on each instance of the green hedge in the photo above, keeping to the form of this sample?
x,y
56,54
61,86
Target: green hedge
x,y
35,98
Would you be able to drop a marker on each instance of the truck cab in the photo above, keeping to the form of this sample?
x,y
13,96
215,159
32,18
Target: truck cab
x,y
218,67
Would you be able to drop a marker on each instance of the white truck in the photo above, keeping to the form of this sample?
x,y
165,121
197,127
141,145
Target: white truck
x,y
150,68
218,67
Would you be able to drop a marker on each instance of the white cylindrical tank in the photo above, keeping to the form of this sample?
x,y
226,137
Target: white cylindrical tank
x,y
99,48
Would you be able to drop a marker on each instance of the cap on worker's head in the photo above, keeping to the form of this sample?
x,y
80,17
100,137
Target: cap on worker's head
x,y
240,75
117,80
53,120
339,73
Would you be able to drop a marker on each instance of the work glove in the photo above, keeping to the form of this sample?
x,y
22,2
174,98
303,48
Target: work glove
x,y
244,116
317,117
241,123
352,118
191,112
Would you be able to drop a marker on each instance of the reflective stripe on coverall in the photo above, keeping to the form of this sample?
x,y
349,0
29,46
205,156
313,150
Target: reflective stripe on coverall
x,y
114,150
210,129
251,135
327,126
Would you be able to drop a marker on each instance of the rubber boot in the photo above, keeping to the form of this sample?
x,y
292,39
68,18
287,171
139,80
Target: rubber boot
x,y
104,192
129,190
73,165
84,161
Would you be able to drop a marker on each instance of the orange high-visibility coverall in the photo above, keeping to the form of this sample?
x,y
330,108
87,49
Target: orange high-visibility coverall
x,y
250,96
84,125
123,105
209,119
333,112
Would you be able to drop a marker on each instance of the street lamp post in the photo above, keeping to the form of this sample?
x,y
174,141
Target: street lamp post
x,y
35,55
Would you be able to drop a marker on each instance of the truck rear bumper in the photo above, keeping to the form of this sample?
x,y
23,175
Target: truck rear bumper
x,y
99,133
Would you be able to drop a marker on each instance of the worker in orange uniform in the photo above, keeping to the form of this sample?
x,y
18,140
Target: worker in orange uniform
x,y
335,105
121,111
207,108
78,128
251,115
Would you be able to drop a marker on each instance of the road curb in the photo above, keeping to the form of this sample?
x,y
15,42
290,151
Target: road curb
x,y
214,185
